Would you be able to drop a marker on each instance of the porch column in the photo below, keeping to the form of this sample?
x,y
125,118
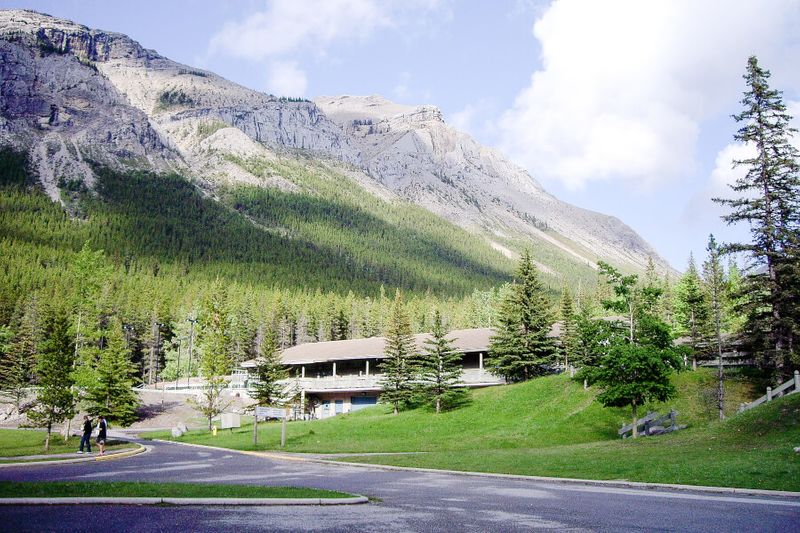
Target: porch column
x,y
480,361
302,404
367,367
334,369
303,371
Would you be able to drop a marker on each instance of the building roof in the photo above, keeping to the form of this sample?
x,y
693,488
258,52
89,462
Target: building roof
x,y
464,340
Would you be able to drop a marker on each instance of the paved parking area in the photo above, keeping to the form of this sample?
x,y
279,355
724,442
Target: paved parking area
x,y
403,500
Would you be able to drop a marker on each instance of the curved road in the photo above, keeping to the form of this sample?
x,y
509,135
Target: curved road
x,y
408,501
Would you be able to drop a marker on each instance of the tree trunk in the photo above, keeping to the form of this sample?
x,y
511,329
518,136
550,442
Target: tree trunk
x,y
635,429
47,438
395,409
438,405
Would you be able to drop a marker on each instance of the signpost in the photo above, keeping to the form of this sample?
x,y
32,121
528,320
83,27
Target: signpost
x,y
263,413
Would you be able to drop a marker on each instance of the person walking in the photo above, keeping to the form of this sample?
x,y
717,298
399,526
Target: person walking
x,y
86,438
102,428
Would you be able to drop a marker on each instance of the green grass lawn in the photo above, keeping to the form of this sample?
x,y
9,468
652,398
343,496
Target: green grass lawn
x,y
13,489
545,412
754,450
20,442
552,427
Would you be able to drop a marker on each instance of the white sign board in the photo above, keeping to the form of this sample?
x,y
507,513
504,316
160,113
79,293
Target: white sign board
x,y
230,420
270,412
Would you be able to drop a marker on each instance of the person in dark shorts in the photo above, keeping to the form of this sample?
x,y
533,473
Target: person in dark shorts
x,y
86,438
102,427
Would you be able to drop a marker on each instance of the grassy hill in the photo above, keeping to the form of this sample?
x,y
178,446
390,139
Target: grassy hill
x,y
552,427
548,411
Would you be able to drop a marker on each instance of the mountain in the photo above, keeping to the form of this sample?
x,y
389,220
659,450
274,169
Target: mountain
x,y
385,187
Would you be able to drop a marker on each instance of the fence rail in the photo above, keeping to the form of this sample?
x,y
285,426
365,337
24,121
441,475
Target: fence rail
x,y
789,387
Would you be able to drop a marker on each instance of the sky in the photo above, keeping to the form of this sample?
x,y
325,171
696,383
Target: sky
x,y
619,106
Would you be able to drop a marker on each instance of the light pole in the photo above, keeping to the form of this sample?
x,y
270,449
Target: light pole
x,y
178,372
159,325
192,321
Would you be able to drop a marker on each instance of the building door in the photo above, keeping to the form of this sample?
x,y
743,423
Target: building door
x,y
339,406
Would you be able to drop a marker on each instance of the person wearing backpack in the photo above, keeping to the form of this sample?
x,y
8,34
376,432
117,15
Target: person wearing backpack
x,y
102,436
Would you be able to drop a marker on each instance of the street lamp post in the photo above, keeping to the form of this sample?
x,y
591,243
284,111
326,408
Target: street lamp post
x,y
192,322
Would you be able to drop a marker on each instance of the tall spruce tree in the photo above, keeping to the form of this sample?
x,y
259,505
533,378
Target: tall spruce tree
x,y
692,311
714,278
55,401
400,351
19,354
112,394
569,328
521,347
769,202
440,369
267,389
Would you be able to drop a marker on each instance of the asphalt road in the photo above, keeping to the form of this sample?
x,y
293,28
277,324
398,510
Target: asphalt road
x,y
409,501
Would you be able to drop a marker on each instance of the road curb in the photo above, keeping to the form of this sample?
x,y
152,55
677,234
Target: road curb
x,y
566,481
576,481
142,448
184,501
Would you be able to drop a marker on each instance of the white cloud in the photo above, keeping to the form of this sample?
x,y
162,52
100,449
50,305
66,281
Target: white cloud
x,y
463,120
284,27
286,79
625,86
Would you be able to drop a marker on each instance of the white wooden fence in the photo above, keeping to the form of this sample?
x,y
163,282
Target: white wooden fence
x,y
791,386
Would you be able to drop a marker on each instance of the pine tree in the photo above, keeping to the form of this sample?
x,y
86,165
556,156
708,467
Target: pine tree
x,y
112,394
55,401
19,355
735,301
770,204
714,278
569,329
269,371
692,309
440,369
399,354
215,361
521,347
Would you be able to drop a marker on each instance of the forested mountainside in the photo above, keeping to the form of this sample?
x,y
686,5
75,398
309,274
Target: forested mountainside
x,y
94,111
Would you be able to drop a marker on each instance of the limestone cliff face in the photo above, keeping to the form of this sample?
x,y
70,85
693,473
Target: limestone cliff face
x,y
414,152
74,96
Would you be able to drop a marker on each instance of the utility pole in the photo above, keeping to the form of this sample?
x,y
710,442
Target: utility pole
x,y
152,365
192,322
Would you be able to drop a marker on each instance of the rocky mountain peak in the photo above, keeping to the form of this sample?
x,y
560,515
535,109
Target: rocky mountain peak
x,y
73,96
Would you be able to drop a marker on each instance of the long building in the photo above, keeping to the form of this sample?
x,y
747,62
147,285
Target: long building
x,y
336,377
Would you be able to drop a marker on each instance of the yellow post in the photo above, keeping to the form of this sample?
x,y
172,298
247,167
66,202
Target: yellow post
x,y
214,430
